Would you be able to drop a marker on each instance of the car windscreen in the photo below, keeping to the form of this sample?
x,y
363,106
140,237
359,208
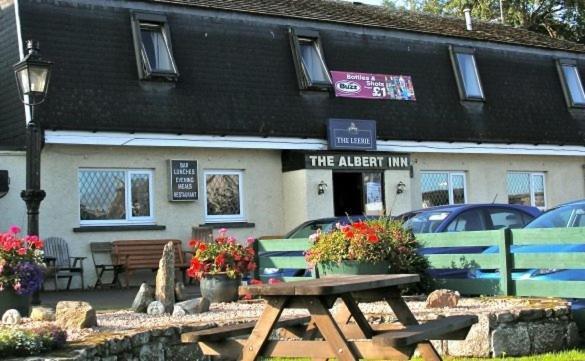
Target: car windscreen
x,y
308,229
426,222
572,215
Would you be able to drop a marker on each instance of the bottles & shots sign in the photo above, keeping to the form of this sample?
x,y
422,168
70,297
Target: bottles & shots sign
x,y
183,182
372,86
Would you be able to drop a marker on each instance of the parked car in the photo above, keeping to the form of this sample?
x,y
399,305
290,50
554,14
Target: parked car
x,y
468,217
570,214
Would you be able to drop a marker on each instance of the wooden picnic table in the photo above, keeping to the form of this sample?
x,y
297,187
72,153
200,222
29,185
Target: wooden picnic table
x,y
326,336
342,339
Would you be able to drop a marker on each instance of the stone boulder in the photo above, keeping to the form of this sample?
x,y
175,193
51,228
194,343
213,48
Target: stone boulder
x,y
143,298
156,308
42,314
165,279
11,317
443,298
195,305
75,314
180,292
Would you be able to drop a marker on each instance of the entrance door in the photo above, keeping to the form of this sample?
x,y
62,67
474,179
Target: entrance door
x,y
357,193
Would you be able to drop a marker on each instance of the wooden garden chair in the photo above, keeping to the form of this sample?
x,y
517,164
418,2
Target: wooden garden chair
x,y
101,255
60,264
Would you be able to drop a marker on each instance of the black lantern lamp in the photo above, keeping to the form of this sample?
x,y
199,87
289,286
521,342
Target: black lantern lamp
x,y
32,76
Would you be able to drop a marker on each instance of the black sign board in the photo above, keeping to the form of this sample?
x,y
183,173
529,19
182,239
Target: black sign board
x,y
351,134
360,161
183,182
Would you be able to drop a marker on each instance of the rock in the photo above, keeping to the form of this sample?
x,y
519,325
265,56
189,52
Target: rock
x,y
546,337
195,305
573,337
156,308
443,298
531,314
42,314
165,278
178,311
11,317
143,298
180,292
75,314
506,317
510,341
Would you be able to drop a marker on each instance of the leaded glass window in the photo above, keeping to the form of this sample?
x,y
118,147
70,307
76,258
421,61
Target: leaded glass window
x,y
224,196
526,188
440,188
113,196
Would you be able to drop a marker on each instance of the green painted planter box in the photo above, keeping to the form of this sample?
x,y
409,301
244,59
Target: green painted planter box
x,y
351,268
9,300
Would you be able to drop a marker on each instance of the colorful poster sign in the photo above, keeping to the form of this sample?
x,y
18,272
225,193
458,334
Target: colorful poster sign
x,y
372,86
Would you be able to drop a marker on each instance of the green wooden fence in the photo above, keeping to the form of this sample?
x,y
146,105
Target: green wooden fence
x,y
267,257
506,261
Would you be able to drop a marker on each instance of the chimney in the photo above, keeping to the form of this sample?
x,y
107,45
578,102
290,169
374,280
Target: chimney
x,y
467,12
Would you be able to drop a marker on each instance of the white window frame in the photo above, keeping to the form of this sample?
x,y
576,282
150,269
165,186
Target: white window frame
x,y
459,77
145,71
297,36
228,217
450,175
130,220
570,63
531,175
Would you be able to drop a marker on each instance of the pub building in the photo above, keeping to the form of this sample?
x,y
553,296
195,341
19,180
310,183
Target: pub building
x,y
172,117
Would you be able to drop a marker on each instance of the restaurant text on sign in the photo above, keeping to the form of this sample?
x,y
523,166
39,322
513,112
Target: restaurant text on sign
x,y
183,180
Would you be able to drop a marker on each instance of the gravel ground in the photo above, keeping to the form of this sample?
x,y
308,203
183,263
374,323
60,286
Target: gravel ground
x,y
121,322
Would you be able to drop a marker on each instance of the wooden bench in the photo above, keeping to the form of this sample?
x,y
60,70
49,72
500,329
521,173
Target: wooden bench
x,y
446,328
146,254
282,253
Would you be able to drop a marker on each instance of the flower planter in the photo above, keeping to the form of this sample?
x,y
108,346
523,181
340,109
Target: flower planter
x,y
9,299
219,287
350,268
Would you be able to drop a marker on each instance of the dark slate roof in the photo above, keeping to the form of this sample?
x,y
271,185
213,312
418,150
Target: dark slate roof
x,y
380,17
237,77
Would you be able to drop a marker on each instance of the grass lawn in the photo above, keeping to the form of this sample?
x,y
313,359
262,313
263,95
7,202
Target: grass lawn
x,y
575,355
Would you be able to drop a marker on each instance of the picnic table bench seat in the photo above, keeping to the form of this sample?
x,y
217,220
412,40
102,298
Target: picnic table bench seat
x,y
446,328
241,329
146,254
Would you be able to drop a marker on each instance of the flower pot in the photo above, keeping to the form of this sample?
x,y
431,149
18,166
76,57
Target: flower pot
x,y
351,268
9,299
219,287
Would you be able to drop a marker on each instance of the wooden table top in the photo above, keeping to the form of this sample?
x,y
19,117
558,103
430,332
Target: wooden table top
x,y
330,285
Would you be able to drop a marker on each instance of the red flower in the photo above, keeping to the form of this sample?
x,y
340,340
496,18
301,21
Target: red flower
x,y
372,238
202,246
255,282
21,251
193,243
220,260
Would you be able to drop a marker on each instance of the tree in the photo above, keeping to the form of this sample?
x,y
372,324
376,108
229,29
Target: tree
x,y
559,19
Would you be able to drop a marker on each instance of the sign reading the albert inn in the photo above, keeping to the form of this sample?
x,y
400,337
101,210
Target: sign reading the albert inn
x,y
183,182
365,161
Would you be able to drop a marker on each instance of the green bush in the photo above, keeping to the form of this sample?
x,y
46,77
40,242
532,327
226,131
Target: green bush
x,y
25,342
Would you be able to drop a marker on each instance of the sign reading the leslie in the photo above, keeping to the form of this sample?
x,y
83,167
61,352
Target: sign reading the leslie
x,y
351,134
372,86
183,180
357,161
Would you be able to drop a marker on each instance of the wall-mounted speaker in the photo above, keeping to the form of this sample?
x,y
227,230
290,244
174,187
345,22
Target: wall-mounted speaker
x,y
4,182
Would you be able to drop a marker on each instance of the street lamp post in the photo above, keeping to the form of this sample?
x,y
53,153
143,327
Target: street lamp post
x,y
32,77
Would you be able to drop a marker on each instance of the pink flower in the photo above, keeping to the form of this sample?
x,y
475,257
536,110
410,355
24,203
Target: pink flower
x,y
222,232
231,240
17,286
250,240
14,229
21,251
1,287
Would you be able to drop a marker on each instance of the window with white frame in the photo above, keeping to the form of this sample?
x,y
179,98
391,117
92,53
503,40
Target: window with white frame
x,y
312,72
466,73
571,82
224,196
440,188
527,188
115,196
152,42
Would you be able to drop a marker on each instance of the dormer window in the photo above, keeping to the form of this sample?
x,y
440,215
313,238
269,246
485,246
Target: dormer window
x,y
152,42
309,62
571,82
466,73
